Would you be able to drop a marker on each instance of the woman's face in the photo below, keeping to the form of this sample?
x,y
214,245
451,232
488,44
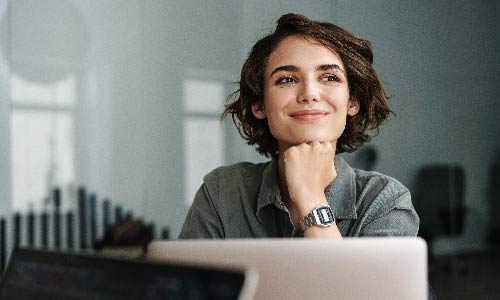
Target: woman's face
x,y
306,94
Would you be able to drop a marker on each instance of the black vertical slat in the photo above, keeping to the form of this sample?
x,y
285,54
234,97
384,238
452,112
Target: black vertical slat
x,y
93,219
118,214
44,232
17,229
82,216
56,194
165,233
31,229
106,210
70,239
152,230
3,244
150,233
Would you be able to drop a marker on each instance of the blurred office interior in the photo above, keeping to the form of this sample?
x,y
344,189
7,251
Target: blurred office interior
x,y
124,98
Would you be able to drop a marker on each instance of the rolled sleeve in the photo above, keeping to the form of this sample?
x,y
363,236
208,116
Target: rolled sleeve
x,y
397,218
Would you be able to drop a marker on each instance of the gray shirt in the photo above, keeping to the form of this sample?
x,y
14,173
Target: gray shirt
x,y
243,201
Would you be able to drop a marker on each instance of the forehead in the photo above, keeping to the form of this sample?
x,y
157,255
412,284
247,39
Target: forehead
x,y
301,51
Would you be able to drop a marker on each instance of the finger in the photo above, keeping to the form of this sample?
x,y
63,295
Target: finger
x,y
314,144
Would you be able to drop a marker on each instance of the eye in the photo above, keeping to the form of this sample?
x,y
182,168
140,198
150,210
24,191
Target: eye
x,y
285,79
331,77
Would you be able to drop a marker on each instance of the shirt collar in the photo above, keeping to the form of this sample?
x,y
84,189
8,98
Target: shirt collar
x,y
269,192
341,193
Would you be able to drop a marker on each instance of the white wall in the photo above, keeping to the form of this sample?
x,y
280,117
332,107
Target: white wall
x,y
132,147
111,132
178,37
4,114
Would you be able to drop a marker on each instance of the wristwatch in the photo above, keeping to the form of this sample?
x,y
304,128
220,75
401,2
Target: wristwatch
x,y
320,216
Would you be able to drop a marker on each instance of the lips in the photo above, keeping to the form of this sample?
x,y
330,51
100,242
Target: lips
x,y
308,115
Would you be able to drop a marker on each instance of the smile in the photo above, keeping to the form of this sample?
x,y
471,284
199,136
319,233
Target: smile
x,y
309,115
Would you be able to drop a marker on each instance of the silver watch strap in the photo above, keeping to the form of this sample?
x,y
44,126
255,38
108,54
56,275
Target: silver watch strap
x,y
308,221
319,216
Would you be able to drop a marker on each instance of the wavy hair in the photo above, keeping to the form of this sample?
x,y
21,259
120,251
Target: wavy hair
x,y
364,84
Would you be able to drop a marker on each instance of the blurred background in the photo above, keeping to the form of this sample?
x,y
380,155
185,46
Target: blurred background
x,y
123,98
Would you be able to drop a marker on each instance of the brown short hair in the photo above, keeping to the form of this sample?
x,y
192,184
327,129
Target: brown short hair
x,y
364,84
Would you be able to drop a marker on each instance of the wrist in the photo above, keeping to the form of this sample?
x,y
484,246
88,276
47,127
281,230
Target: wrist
x,y
306,203
320,216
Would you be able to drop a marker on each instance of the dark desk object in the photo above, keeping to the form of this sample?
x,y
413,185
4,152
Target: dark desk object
x,y
3,244
93,218
17,229
82,217
481,281
70,231
106,210
56,198
44,220
31,228
165,233
118,214
45,275
494,205
439,201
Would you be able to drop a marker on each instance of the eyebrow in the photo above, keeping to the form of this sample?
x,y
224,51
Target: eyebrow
x,y
292,68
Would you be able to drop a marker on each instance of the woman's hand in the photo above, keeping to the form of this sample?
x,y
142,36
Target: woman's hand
x,y
309,168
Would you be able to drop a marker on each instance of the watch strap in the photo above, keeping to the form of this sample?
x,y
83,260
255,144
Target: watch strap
x,y
320,216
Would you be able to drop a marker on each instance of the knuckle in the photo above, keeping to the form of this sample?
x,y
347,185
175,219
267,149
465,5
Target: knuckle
x,y
291,151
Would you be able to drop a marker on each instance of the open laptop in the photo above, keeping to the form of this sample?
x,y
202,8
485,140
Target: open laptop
x,y
42,275
352,268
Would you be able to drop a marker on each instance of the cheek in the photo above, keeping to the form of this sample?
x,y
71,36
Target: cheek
x,y
342,97
273,122
342,124
337,96
342,127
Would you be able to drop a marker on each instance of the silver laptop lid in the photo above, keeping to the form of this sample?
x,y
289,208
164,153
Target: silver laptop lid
x,y
352,268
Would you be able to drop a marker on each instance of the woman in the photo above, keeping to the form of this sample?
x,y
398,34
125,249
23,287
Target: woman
x,y
307,92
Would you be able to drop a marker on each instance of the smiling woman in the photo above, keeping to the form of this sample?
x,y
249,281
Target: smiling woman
x,y
306,95
307,92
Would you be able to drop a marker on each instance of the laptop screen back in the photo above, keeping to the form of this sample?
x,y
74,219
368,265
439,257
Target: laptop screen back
x,y
43,275
352,268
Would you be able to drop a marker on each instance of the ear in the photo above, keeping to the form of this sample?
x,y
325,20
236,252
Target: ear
x,y
353,107
258,110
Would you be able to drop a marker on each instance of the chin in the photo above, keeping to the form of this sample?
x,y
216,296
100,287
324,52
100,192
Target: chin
x,y
312,138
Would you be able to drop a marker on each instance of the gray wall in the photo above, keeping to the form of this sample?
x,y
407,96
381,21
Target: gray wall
x,y
438,62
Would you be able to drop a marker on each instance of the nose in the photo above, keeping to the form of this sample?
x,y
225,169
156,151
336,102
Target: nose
x,y
309,92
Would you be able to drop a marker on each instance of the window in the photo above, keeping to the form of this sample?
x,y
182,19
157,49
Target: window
x,y
42,139
203,134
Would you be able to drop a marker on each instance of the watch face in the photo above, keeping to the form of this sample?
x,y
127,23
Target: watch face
x,y
325,215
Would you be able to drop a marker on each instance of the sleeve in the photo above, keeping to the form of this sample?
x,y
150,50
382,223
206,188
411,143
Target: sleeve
x,y
396,218
202,221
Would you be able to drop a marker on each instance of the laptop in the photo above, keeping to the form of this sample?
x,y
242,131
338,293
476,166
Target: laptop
x,y
352,268
42,275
